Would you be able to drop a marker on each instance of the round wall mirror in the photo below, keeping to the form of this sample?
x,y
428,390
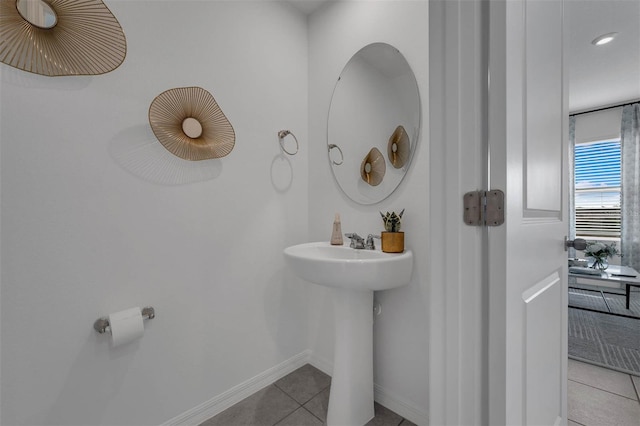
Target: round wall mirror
x,y
38,13
374,123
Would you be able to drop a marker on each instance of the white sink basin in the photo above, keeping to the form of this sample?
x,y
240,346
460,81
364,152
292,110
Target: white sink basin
x,y
344,267
352,275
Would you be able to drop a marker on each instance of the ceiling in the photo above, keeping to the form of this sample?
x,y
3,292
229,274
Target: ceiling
x,y
602,75
598,75
307,6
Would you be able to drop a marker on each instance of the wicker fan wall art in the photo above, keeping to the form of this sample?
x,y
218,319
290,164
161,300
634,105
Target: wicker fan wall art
x,y
189,123
373,167
399,148
84,39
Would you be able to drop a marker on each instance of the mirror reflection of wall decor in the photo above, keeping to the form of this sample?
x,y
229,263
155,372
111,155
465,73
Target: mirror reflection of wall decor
x,y
189,123
398,148
60,37
373,167
375,94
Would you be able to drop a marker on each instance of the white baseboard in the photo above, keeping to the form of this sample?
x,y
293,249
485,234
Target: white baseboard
x,y
219,403
404,408
321,364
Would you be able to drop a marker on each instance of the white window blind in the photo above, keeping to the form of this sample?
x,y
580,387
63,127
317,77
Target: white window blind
x,y
597,194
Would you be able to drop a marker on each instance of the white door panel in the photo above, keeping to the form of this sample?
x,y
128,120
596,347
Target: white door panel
x,y
543,105
527,262
542,349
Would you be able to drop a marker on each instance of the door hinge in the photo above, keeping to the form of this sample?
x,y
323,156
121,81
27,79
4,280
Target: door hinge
x,y
484,208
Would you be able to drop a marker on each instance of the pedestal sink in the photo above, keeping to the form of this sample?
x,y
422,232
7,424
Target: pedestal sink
x,y
353,276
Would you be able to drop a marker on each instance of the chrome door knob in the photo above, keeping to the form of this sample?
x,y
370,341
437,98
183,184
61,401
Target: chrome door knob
x,y
578,244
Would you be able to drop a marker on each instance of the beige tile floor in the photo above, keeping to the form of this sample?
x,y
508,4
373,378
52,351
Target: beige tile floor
x,y
597,396
298,399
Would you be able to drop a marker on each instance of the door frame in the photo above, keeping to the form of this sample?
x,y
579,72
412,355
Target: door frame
x,y
458,379
459,276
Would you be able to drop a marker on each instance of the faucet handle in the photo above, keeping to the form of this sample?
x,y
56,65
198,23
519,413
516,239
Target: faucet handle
x,y
370,244
357,241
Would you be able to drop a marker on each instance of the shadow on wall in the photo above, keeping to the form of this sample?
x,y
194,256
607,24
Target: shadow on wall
x,y
15,77
281,173
76,406
284,299
137,151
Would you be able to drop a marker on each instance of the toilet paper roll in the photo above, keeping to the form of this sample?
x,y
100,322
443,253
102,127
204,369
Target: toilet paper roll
x,y
126,326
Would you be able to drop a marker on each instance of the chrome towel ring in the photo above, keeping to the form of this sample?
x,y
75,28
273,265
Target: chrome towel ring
x,y
284,133
331,146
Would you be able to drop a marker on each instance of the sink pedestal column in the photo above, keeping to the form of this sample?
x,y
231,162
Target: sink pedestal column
x,y
351,398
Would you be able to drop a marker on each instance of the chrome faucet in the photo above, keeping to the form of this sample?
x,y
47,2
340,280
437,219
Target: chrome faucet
x,y
357,242
369,244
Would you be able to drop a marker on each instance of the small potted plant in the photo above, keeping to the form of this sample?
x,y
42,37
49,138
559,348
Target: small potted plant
x,y
392,238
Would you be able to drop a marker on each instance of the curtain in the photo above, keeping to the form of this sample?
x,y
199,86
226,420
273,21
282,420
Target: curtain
x,y
572,183
630,186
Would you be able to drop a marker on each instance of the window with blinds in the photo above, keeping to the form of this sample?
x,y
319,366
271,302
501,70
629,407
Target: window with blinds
x,y
597,189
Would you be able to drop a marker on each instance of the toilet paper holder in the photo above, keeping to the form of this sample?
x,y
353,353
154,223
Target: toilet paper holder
x,y
101,324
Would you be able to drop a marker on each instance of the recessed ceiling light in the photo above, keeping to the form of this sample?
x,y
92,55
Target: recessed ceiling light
x,y
604,39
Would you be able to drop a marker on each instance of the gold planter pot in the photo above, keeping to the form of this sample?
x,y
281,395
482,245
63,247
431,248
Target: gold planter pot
x,y
392,242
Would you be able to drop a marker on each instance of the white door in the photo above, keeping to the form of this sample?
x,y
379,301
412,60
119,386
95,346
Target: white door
x,y
527,263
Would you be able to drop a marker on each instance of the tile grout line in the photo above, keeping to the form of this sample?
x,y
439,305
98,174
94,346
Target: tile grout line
x,y
276,423
305,409
633,383
578,423
292,398
288,415
604,390
306,402
301,405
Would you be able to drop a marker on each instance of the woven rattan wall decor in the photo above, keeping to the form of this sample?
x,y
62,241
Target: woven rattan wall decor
x,y
373,168
60,37
189,123
399,148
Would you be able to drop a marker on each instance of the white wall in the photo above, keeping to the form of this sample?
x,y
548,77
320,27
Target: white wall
x,y
598,125
401,339
98,217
